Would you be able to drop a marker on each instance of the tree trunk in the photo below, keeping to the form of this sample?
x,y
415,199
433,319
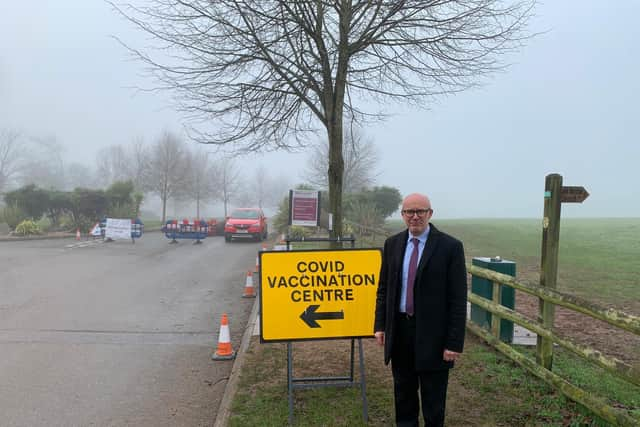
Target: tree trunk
x,y
334,106
164,209
163,196
335,172
336,160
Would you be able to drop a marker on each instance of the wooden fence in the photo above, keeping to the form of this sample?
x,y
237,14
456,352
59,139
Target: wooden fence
x,y
619,319
598,405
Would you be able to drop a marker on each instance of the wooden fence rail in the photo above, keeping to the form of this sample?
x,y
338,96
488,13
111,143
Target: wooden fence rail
x,y
614,317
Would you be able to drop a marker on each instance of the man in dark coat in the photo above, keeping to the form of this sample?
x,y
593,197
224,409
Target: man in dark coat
x,y
421,312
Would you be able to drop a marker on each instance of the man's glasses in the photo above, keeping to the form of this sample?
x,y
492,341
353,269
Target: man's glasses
x,y
412,212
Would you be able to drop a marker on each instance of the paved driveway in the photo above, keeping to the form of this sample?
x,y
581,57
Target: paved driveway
x,y
117,333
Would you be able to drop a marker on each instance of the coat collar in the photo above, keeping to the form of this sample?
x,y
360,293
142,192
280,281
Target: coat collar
x,y
432,242
429,248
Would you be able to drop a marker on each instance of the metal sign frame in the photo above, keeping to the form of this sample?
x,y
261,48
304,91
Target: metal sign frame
x,y
294,383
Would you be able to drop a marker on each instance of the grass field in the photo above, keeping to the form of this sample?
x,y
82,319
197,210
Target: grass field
x,y
598,261
598,258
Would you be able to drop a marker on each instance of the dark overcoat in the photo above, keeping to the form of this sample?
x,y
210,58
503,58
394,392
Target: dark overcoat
x,y
440,297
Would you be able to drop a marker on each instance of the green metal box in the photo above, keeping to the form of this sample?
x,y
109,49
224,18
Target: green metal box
x,y
484,288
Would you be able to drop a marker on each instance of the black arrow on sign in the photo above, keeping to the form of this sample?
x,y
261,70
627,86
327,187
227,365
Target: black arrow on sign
x,y
309,316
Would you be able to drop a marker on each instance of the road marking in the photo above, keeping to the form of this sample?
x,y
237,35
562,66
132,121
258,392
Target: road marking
x,y
53,336
84,244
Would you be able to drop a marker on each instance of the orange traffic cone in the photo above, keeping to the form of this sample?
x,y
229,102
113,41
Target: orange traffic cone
x,y
248,287
257,263
224,351
77,234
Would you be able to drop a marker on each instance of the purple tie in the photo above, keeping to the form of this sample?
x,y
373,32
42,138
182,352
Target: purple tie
x,y
413,267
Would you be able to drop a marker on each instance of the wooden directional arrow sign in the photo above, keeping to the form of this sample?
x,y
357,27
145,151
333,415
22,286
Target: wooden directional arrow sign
x,y
573,194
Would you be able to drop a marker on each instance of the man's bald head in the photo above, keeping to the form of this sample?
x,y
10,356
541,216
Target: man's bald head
x,y
416,213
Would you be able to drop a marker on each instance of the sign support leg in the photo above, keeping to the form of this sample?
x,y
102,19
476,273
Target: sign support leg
x,y
339,381
363,383
290,380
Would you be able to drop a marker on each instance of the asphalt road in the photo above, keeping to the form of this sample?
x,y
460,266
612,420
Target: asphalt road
x,y
118,334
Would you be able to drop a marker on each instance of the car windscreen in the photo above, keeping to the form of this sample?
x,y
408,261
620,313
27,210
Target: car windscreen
x,y
245,214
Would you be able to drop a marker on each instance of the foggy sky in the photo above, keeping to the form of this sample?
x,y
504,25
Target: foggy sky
x,y
568,104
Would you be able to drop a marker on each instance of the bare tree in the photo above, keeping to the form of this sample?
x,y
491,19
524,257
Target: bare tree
x,y
168,173
258,188
265,73
79,175
122,163
11,154
202,179
44,166
112,164
138,167
230,182
261,189
279,187
360,160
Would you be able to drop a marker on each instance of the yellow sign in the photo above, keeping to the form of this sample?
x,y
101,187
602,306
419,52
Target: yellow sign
x,y
318,294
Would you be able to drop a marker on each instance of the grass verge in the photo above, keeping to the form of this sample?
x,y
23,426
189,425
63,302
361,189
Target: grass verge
x,y
485,389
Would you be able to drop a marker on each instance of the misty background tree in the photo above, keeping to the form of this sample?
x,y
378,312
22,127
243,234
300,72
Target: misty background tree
x,y
203,181
168,169
44,165
113,164
258,74
124,162
360,162
230,181
11,154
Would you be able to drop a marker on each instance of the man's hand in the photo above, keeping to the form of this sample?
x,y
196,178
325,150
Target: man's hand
x,y
450,356
379,337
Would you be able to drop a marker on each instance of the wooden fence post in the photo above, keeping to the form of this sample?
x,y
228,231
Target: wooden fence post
x,y
549,263
554,195
497,299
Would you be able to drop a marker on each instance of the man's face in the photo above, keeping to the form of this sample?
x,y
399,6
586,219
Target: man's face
x,y
416,213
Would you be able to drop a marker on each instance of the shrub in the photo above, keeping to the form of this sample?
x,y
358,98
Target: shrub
x,y
27,228
12,215
298,232
125,210
44,224
33,201
366,215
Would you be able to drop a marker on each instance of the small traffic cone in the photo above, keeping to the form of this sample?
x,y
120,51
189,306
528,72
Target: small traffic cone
x,y
257,263
248,287
77,234
224,351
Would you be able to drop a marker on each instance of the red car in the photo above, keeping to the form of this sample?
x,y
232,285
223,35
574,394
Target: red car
x,y
246,223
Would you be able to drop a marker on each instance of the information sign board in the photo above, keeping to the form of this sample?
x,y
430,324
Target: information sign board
x,y
304,208
118,229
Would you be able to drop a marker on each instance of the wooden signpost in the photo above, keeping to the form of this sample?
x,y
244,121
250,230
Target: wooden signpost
x,y
554,195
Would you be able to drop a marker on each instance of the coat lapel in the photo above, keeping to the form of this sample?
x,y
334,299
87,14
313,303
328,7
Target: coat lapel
x,y
401,246
429,249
